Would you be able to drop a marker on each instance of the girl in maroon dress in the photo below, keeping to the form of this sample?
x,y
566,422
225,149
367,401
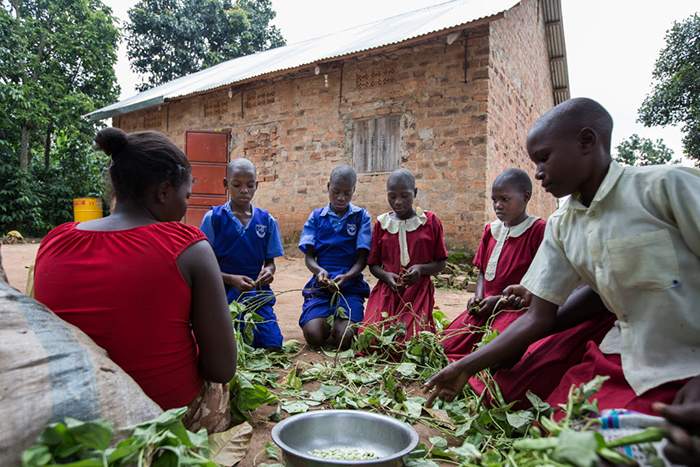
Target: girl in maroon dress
x,y
507,248
408,247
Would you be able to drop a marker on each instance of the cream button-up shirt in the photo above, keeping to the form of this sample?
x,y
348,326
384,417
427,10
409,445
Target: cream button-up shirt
x,y
638,246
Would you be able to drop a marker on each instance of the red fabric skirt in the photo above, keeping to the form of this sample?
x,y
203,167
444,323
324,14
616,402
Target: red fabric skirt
x,y
412,306
616,393
462,335
546,361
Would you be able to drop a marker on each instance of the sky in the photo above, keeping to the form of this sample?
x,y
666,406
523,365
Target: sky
x,y
611,46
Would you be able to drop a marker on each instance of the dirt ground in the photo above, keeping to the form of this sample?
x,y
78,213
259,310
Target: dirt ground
x,y
291,275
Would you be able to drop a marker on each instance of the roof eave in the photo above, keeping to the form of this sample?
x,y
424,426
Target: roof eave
x,y
103,114
556,48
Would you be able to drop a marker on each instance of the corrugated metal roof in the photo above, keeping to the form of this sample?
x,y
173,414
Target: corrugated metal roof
x,y
382,33
556,48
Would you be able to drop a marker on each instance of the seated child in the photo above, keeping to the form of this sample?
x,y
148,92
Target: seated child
x,y
408,247
335,241
629,234
246,241
506,250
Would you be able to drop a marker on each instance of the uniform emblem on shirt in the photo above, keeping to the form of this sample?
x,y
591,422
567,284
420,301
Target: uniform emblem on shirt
x,y
261,230
352,229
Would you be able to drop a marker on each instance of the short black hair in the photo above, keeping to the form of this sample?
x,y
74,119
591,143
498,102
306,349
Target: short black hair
x,y
141,160
403,176
517,178
240,163
343,172
574,114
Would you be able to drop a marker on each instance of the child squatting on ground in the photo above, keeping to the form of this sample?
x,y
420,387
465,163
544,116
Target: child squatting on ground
x,y
335,241
408,247
246,241
506,250
633,235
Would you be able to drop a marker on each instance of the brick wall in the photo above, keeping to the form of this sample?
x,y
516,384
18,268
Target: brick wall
x,y
520,90
297,128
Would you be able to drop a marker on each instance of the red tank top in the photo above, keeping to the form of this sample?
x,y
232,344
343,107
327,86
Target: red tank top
x,y
124,289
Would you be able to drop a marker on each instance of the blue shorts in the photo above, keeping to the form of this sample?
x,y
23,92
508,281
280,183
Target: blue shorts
x,y
267,333
320,306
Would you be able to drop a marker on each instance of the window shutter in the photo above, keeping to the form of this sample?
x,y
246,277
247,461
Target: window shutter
x,y
376,144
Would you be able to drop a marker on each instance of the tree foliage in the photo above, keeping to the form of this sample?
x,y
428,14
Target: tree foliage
x,y
56,64
643,151
675,97
167,39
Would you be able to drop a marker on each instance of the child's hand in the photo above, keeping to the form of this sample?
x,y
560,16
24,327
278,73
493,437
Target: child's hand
x,y
486,306
393,280
411,275
446,384
340,279
683,441
517,296
323,278
474,304
265,277
242,283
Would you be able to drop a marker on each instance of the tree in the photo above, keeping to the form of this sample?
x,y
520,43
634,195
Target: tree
x,y
675,97
643,151
167,39
56,63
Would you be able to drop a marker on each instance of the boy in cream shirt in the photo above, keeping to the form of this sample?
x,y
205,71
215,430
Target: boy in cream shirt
x,y
633,235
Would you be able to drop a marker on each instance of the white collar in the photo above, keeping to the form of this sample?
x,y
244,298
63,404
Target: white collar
x,y
391,223
515,231
501,233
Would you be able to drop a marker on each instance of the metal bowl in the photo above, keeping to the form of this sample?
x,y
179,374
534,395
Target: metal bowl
x,y
390,439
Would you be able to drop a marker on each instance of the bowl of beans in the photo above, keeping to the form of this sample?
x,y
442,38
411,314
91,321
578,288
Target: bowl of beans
x,y
326,438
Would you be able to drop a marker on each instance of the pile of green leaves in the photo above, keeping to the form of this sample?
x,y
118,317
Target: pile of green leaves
x,y
383,373
163,441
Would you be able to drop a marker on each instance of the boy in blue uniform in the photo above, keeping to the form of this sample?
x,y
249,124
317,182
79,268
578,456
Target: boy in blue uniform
x,y
246,241
336,240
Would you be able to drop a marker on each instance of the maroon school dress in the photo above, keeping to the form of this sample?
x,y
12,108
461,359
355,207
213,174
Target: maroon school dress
x,y
413,305
124,289
545,362
517,253
616,393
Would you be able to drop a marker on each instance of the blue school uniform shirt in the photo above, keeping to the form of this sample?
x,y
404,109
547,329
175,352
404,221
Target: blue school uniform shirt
x,y
336,240
242,249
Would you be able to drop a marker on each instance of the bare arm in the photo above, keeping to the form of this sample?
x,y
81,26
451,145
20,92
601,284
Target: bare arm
x,y
536,323
479,292
211,321
267,273
582,305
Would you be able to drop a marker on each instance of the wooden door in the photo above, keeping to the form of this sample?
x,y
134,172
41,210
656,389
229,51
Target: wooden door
x,y
207,152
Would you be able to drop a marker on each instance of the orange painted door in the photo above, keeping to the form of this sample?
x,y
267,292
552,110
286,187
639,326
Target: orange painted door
x,y
207,152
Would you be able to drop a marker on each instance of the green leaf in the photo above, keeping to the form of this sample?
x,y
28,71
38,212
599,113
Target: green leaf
x,y
295,407
466,451
519,419
94,435
272,451
538,404
535,444
406,369
293,381
577,448
438,441
414,407
35,456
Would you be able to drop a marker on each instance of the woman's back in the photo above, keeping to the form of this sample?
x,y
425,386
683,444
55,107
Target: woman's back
x,y
125,290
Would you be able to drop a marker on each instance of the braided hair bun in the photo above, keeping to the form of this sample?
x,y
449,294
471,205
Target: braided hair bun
x,y
111,140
